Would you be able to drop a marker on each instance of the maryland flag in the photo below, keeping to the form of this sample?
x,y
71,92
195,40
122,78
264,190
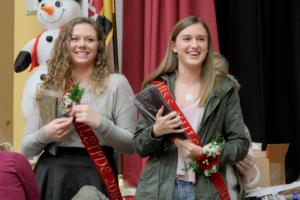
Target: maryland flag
x,y
102,12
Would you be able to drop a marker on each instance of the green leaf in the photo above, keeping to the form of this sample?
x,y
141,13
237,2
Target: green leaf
x,y
219,140
193,165
76,93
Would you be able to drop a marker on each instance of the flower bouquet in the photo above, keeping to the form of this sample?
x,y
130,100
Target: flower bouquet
x,y
70,98
209,161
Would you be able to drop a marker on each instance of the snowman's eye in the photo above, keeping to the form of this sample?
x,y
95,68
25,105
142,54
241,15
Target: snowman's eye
x,y
58,4
40,1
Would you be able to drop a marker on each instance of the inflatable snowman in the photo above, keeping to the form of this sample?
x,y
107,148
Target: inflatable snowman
x,y
52,15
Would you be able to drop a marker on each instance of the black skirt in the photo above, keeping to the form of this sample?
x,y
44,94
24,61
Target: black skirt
x,y
61,176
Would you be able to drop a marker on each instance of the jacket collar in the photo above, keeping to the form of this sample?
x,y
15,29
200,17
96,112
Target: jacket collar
x,y
218,92
216,95
170,79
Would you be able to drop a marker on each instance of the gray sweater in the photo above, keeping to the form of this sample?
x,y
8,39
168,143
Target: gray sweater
x,y
118,121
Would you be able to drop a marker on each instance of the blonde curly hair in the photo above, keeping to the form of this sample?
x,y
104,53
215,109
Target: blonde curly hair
x,y
60,67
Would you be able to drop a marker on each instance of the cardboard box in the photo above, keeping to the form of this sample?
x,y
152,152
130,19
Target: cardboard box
x,y
277,153
271,164
262,163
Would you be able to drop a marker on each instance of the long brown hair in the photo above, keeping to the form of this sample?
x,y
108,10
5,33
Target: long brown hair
x,y
59,65
170,61
221,68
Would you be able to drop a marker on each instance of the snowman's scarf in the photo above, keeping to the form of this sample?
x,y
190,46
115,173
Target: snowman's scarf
x,y
34,54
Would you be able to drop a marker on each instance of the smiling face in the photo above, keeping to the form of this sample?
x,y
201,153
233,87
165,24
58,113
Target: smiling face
x,y
83,46
191,46
53,14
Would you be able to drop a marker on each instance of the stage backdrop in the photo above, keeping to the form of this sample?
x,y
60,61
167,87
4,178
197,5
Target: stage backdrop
x,y
261,41
146,27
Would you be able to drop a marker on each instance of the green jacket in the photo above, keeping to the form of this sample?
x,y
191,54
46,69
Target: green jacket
x,y
222,114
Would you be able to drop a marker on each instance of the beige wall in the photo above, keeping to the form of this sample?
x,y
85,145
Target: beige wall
x,y
6,72
19,28
25,28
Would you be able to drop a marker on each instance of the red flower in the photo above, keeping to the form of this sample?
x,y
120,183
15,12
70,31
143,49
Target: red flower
x,y
206,162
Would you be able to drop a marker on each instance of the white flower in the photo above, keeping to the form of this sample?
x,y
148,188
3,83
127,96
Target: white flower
x,y
68,101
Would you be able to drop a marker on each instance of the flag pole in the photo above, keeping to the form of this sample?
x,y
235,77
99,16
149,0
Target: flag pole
x,y
116,69
115,39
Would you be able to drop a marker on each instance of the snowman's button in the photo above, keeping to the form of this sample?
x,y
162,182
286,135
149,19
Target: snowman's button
x,y
42,77
49,38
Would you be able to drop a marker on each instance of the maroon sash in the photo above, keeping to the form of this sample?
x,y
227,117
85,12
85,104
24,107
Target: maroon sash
x,y
91,144
216,178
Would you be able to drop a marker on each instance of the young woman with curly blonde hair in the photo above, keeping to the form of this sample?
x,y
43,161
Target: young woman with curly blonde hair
x,y
78,59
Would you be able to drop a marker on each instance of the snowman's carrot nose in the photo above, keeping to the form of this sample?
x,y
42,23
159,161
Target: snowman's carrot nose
x,y
48,9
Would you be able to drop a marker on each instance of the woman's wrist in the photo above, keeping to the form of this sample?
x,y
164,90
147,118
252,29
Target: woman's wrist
x,y
154,132
249,175
97,122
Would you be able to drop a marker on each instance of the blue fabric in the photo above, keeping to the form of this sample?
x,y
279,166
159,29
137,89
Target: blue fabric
x,y
183,190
